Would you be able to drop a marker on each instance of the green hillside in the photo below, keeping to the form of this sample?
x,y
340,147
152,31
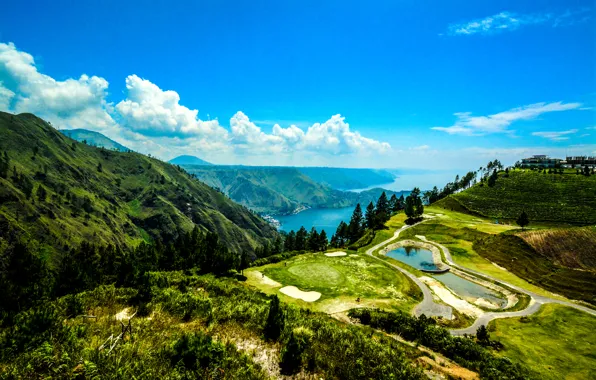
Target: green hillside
x,y
278,190
567,198
94,139
59,191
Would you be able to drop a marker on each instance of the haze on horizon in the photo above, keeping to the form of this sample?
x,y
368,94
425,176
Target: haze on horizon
x,y
335,84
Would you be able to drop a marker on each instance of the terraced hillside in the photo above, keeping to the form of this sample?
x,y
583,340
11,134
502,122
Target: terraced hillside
x,y
568,198
570,247
59,191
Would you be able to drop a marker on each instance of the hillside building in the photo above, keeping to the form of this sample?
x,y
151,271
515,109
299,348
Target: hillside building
x,y
540,161
579,162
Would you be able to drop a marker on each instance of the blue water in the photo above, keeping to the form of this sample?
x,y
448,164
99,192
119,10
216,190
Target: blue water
x,y
469,290
321,218
418,258
423,180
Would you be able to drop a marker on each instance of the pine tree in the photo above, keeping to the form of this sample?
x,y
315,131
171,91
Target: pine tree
x,y
301,237
355,226
523,220
290,243
275,320
370,216
313,240
393,204
323,242
382,211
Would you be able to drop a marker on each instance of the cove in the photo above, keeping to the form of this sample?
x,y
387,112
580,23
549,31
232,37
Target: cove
x,y
321,218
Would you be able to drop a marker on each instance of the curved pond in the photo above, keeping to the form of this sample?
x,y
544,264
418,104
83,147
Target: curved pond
x,y
421,259
418,258
470,291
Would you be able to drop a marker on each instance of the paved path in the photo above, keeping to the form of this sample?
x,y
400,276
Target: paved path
x,y
428,306
431,308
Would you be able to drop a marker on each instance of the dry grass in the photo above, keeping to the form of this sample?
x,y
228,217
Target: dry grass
x,y
570,247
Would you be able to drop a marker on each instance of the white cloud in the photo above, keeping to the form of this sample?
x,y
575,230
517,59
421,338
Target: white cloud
x,y
467,124
591,128
421,147
509,21
152,120
555,136
73,103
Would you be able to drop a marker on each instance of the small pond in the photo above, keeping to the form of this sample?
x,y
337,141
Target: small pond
x,y
421,258
470,291
418,258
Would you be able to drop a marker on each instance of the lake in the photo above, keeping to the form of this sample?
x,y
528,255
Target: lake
x,y
407,181
321,218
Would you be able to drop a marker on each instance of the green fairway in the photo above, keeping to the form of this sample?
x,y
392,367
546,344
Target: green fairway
x,y
558,342
340,280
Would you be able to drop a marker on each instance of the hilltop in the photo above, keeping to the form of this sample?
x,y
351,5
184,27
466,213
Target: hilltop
x,y
188,160
59,191
278,190
94,139
560,198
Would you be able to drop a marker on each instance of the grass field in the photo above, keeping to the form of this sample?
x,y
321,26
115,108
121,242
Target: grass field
x,y
557,342
458,231
340,280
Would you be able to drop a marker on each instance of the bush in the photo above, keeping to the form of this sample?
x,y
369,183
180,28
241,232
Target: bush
x,y
292,355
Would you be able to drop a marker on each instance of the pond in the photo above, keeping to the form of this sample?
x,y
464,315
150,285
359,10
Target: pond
x,y
418,258
421,259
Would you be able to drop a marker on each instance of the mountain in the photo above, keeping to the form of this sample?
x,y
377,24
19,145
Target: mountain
x,y
188,160
568,197
277,189
348,178
63,192
94,139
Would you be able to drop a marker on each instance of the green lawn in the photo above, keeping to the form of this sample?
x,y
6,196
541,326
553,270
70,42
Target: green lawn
x,y
341,280
558,342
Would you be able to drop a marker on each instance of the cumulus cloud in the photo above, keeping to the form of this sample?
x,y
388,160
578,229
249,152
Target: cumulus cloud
x,y
555,136
469,125
509,21
152,120
73,103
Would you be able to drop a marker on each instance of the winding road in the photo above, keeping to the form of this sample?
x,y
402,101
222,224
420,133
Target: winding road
x,y
431,308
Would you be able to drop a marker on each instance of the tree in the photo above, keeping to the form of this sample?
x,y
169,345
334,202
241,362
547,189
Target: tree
x,y
355,226
493,178
275,320
313,240
301,237
523,220
382,211
323,242
370,216
41,193
482,335
414,207
290,243
99,167
244,262
393,204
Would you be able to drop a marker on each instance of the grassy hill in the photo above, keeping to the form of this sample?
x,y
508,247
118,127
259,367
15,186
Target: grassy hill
x,y
94,139
278,190
66,192
565,198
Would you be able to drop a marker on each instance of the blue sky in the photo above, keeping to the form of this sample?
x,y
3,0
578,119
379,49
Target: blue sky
x,y
448,84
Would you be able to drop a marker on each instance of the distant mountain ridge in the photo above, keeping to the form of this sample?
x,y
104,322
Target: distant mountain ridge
x,y
278,189
94,139
188,160
348,178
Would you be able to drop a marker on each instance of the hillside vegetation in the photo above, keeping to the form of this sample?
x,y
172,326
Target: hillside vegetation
x,y
58,191
568,197
569,247
278,190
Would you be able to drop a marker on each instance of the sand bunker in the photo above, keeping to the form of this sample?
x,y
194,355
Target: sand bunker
x,y
335,254
294,292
